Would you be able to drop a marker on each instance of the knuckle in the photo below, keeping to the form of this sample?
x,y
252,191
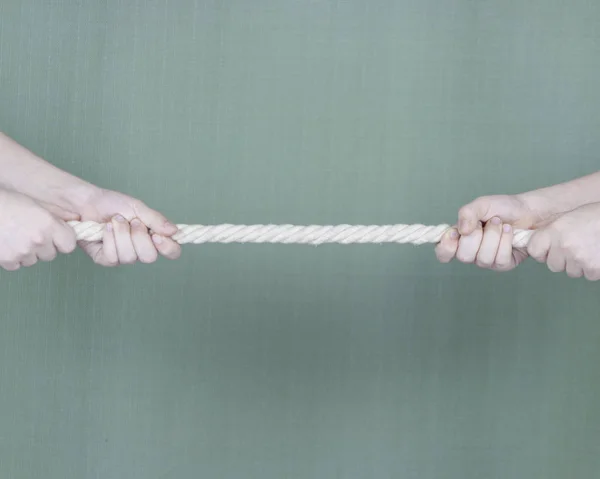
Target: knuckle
x,y
484,263
149,256
536,252
24,249
68,243
594,271
46,223
66,247
175,253
444,259
553,268
148,259
502,267
568,243
558,233
137,204
464,258
109,263
443,255
11,266
592,275
37,239
71,246
49,257
101,260
128,260
464,211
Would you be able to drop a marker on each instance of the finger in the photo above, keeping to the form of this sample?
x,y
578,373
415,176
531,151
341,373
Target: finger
x,y
556,261
64,238
144,247
505,258
103,253
539,245
108,248
573,269
125,250
155,221
445,250
167,247
29,260
9,266
468,246
492,233
47,252
470,215
592,274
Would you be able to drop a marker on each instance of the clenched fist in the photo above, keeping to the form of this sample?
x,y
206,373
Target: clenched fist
x,y
30,232
571,243
485,232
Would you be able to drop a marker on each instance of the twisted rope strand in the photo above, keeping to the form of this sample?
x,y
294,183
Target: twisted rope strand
x,y
291,234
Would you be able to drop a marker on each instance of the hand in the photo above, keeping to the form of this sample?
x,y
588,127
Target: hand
x,y
485,233
127,239
571,243
30,232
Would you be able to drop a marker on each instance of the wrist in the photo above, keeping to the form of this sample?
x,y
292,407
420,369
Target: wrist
x,y
55,187
74,196
566,196
541,204
24,172
548,203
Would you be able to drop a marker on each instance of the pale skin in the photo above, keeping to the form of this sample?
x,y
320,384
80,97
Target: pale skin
x,y
37,199
565,217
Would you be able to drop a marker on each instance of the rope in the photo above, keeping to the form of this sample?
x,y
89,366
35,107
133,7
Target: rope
x,y
291,234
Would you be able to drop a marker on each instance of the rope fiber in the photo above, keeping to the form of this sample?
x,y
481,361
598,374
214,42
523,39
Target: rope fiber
x,y
292,234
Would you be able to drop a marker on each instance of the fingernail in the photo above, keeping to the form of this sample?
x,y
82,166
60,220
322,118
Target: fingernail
x,y
479,225
157,239
453,234
136,222
496,221
507,228
109,227
120,219
170,225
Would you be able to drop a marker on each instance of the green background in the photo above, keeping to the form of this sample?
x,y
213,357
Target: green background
x,y
272,361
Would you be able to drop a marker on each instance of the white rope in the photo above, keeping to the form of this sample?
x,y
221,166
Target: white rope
x,y
291,234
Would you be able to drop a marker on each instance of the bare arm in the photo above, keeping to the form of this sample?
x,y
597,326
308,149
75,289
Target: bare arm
x,y
24,172
564,197
135,233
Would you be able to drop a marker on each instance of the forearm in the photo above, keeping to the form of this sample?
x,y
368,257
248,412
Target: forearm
x,y
26,173
564,197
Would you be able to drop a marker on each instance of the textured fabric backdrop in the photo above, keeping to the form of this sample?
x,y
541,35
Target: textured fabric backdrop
x,y
293,361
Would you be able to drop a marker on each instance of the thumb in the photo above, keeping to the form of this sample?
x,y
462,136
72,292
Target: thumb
x,y
155,221
59,212
471,214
